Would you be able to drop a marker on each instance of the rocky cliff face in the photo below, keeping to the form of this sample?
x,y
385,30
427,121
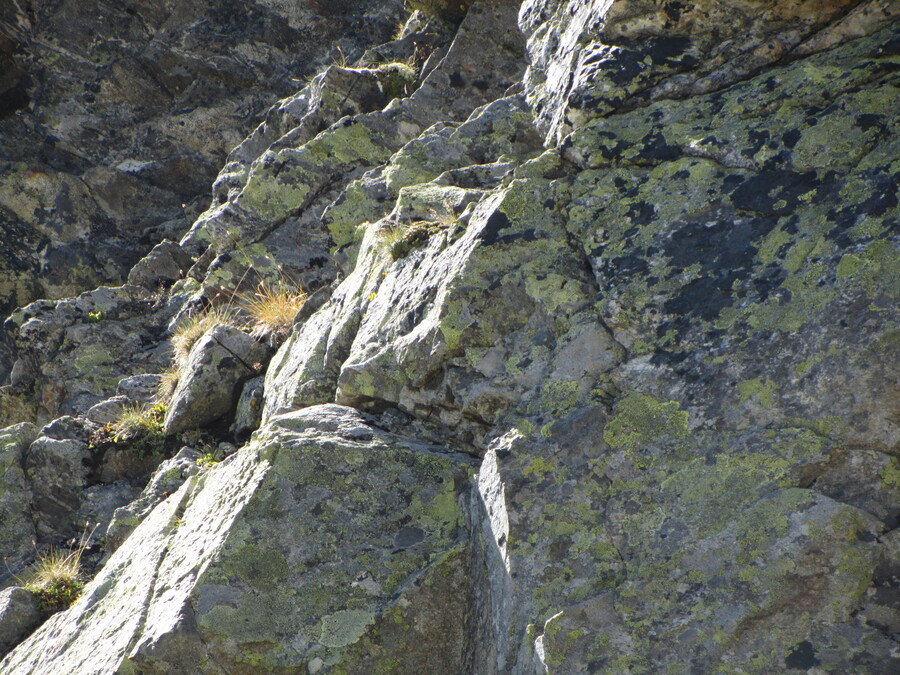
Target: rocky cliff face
x,y
596,372
115,118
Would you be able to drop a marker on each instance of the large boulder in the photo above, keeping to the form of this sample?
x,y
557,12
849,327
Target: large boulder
x,y
209,388
326,544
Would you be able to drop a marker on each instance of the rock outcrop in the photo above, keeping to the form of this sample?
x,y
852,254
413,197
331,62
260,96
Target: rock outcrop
x,y
114,119
597,373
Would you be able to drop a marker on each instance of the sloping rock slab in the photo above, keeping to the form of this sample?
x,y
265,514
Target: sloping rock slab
x,y
324,545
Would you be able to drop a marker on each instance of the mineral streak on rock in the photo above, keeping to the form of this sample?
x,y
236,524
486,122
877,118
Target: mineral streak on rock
x,y
597,372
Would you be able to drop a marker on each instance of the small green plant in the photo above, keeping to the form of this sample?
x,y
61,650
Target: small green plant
x,y
94,317
272,309
141,428
192,328
207,459
55,579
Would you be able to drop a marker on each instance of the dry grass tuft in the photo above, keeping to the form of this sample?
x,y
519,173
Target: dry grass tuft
x,y
191,329
168,381
56,576
137,421
272,309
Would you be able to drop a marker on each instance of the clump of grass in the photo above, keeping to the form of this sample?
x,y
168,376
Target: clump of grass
x,y
272,309
56,578
168,381
207,460
141,428
191,329
396,79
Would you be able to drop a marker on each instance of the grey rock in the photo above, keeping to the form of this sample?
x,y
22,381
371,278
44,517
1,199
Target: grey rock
x,y
165,264
66,428
141,388
19,615
108,411
168,477
99,504
57,472
218,363
248,415
16,527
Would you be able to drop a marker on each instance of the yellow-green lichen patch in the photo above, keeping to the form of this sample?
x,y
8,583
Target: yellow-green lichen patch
x,y
274,195
764,391
330,537
640,419
344,627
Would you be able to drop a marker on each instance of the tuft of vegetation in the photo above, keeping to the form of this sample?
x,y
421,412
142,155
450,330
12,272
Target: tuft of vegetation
x,y
55,579
191,329
396,79
168,381
272,309
140,427
207,460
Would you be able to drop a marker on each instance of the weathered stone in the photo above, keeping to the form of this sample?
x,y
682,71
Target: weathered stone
x,y
311,509
165,264
99,504
168,477
19,615
249,408
141,388
57,472
108,411
16,526
218,364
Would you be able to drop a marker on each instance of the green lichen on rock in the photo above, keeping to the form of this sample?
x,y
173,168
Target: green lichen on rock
x,y
338,560
640,419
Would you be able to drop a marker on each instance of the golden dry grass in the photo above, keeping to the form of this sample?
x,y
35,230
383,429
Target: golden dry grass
x,y
272,309
168,381
191,329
